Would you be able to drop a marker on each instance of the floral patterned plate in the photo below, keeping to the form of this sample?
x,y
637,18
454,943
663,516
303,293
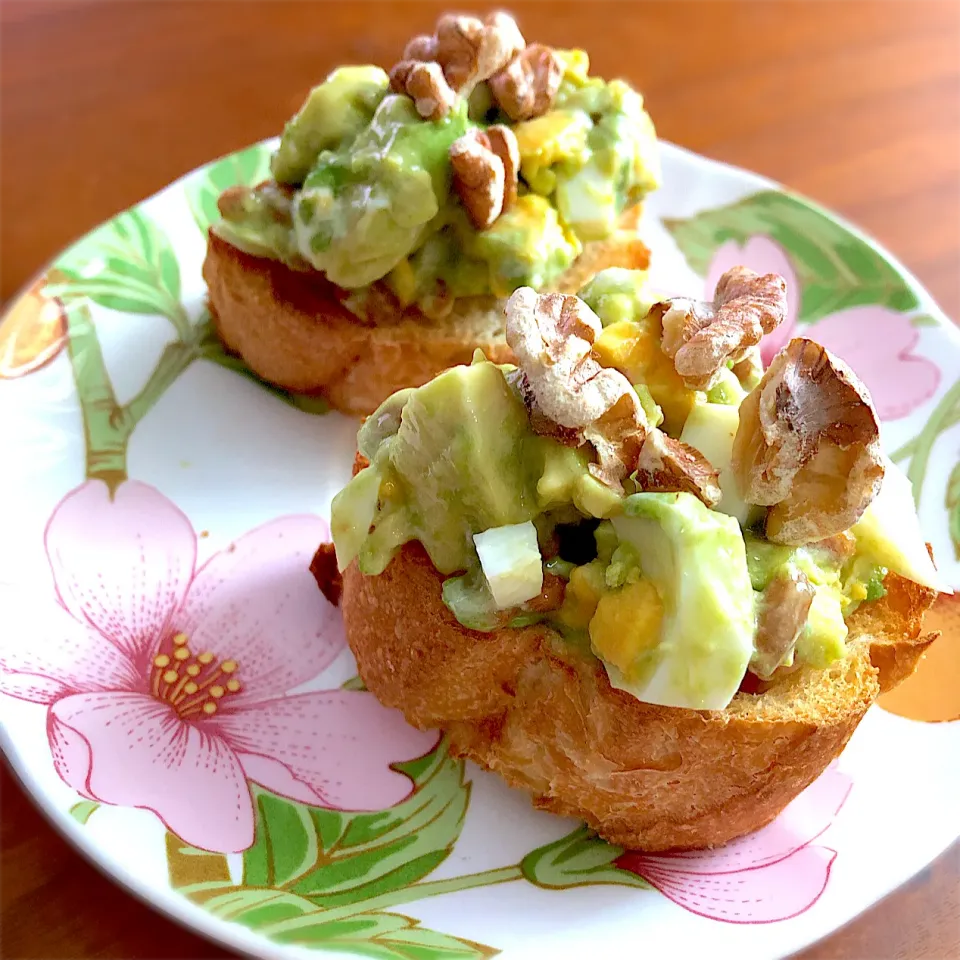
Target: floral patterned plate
x,y
176,694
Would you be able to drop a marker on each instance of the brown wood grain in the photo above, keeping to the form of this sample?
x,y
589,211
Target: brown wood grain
x,y
856,104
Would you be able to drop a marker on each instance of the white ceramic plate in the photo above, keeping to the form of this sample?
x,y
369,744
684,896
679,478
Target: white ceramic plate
x,y
158,499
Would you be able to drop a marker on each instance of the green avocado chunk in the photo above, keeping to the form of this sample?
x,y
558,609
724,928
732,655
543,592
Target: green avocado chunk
x,y
623,164
332,115
526,246
258,220
617,294
453,468
365,207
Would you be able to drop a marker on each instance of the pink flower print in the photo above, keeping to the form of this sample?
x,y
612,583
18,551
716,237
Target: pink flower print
x,y
875,341
774,874
878,344
168,686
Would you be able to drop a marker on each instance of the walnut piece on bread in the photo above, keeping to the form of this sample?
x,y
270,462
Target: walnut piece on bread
x,y
470,50
552,336
666,464
466,51
422,48
485,165
426,85
527,86
780,620
463,52
808,445
701,337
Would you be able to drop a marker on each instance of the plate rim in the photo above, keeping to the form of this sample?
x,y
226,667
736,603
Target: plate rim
x,y
167,901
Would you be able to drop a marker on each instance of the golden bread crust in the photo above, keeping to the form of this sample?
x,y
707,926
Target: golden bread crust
x,y
894,624
541,712
291,328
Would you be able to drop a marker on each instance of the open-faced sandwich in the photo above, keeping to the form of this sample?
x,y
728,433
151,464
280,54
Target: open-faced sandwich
x,y
638,576
405,207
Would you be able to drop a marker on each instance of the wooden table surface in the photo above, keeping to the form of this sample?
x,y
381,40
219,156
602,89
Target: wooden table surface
x,y
854,104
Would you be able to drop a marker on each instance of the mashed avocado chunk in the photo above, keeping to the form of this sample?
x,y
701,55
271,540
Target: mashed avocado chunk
x,y
622,164
371,195
449,460
453,468
333,114
365,207
617,294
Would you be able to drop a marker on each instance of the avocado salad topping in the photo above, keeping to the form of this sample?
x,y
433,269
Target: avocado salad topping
x,y
478,165
638,483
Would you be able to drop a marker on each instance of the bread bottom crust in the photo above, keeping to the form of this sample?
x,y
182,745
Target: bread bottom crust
x,y
539,710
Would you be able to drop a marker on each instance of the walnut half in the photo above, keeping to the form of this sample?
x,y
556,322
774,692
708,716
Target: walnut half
x,y
552,337
666,464
470,50
462,52
527,86
485,165
426,85
700,337
808,445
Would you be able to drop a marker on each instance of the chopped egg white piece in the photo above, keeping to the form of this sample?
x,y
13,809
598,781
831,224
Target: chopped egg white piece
x,y
889,531
711,428
510,559
696,559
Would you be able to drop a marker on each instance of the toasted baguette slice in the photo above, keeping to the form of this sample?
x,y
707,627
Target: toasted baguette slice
x,y
540,711
291,328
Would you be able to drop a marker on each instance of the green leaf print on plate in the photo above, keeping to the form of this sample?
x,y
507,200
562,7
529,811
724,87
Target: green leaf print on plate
x,y
316,876
952,502
836,269
246,168
336,858
945,415
577,859
83,810
288,918
128,265
385,936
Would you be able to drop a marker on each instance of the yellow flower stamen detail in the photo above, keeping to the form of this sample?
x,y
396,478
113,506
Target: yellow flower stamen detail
x,y
175,695
192,684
